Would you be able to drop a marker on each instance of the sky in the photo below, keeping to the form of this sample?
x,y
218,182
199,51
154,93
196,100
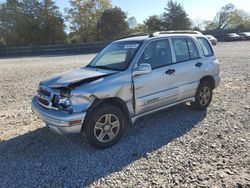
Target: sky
x,y
196,9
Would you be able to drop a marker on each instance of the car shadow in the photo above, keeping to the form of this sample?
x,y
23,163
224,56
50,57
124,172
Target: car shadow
x,y
49,160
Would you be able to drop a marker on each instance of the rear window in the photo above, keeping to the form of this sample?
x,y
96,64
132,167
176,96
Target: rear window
x,y
206,47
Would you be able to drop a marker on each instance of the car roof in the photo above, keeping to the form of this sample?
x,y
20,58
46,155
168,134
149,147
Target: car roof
x,y
244,32
156,35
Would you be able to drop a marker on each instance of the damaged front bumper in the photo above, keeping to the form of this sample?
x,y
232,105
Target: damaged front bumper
x,y
57,121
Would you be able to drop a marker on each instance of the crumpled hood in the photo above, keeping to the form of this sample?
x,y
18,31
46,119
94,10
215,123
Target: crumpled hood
x,y
76,77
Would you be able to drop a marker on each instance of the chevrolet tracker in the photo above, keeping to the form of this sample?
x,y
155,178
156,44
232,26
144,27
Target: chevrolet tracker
x,y
130,78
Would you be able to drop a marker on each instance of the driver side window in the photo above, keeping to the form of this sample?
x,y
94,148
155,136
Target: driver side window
x,y
157,54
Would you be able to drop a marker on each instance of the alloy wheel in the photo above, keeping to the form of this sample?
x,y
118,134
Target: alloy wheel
x,y
205,95
106,128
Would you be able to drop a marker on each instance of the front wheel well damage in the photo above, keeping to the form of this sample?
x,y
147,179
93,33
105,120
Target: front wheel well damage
x,y
108,101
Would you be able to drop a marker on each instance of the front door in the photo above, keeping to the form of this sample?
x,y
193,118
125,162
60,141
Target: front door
x,y
160,87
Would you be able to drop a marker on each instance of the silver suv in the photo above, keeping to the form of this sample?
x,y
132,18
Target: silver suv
x,y
130,78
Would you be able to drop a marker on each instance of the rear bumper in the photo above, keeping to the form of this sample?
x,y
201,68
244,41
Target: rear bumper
x,y
57,121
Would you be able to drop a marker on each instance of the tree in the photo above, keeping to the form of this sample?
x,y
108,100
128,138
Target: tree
x,y
154,23
52,23
113,24
132,22
197,24
209,25
239,19
84,17
175,17
223,16
229,18
31,22
140,28
9,23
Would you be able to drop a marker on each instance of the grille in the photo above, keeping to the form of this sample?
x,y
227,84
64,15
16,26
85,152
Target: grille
x,y
44,92
55,99
43,101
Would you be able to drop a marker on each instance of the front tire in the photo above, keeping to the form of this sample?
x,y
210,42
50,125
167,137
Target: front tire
x,y
105,126
203,96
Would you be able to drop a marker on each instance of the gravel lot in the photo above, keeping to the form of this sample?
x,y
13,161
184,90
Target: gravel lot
x,y
177,147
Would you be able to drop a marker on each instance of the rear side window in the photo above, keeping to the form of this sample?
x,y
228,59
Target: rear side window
x,y
194,54
181,49
185,49
206,47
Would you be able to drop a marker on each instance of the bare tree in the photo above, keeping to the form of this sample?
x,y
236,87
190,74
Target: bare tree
x,y
223,16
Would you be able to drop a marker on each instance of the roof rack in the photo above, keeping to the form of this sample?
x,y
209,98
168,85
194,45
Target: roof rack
x,y
140,34
157,33
175,32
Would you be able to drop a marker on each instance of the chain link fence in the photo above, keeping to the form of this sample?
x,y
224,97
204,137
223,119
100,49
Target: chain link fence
x,y
85,48
64,49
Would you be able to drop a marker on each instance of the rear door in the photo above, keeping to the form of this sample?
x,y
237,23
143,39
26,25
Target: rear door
x,y
160,87
188,66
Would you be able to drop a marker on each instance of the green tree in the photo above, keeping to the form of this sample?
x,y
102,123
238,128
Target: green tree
x,y
223,16
229,18
132,22
154,23
209,25
51,23
113,24
140,28
84,17
10,22
175,17
239,19
31,22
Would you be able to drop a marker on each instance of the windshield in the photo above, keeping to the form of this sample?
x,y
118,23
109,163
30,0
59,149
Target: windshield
x,y
116,56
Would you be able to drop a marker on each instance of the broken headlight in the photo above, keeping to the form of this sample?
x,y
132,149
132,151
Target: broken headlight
x,y
63,101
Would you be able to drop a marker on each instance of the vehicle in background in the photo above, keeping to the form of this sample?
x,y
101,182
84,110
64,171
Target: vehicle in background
x,y
232,37
245,35
212,39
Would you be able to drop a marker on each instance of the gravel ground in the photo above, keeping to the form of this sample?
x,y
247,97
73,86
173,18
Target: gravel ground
x,y
177,147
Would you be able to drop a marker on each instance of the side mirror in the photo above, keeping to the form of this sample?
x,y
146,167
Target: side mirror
x,y
143,68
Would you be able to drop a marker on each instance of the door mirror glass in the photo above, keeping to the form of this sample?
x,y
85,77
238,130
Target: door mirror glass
x,y
143,68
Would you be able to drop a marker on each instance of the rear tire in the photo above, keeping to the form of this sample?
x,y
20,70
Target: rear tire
x,y
203,96
105,126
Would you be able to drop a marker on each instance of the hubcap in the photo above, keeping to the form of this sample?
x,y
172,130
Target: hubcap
x,y
205,96
107,128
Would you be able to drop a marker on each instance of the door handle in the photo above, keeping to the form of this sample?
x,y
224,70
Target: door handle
x,y
170,71
199,64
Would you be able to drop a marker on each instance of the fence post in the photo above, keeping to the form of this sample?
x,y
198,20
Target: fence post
x,y
7,53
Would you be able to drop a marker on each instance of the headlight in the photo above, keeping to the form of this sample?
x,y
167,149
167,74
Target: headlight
x,y
72,103
64,102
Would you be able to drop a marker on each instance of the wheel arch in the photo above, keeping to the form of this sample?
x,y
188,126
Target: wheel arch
x,y
113,101
209,79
